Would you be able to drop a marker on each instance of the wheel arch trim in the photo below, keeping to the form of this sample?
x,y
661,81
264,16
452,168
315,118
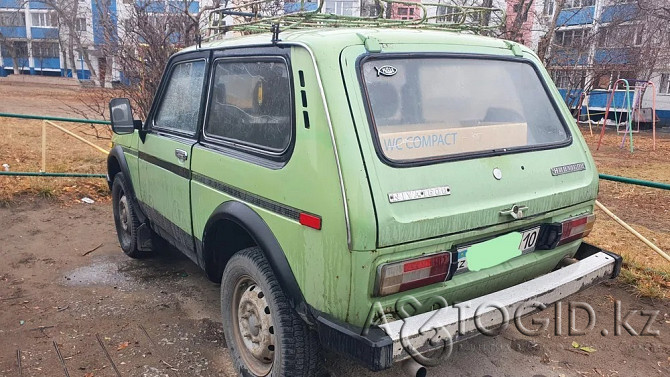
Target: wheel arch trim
x,y
249,220
117,156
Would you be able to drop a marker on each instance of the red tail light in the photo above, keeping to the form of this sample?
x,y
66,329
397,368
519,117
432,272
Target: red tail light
x,y
576,228
413,273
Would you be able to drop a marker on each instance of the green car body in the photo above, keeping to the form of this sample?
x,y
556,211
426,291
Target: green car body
x,y
331,172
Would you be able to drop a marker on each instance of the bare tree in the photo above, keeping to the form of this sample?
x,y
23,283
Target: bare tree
x,y
659,8
627,45
17,50
545,41
146,40
514,30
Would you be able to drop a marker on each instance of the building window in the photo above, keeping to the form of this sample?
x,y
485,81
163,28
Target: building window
x,y
578,3
44,19
571,38
45,49
18,49
639,35
561,78
549,8
664,87
621,36
449,14
12,19
80,24
342,7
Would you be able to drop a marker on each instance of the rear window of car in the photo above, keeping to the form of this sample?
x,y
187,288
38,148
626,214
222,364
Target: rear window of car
x,y
443,107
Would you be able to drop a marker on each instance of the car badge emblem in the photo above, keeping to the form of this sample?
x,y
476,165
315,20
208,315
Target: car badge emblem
x,y
516,212
567,169
497,174
386,70
432,192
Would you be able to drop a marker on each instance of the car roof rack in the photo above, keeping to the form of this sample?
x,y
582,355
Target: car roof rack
x,y
263,16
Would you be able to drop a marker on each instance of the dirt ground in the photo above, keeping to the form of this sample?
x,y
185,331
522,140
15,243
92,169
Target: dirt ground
x,y
21,141
104,312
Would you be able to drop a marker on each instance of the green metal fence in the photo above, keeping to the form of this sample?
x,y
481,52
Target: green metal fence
x,y
615,178
57,119
49,120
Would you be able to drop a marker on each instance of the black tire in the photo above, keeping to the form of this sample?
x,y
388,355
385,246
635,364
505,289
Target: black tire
x,y
295,348
125,217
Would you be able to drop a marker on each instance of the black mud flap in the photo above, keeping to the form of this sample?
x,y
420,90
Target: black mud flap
x,y
586,250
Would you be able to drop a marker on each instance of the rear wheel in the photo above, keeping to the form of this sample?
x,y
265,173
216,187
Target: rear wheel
x,y
264,334
125,217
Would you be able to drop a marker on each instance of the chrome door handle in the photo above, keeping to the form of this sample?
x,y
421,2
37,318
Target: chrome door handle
x,y
181,155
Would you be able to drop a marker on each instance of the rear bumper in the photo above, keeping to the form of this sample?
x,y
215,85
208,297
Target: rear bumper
x,y
399,340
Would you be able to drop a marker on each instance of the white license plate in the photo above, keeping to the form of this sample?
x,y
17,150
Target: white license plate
x,y
527,245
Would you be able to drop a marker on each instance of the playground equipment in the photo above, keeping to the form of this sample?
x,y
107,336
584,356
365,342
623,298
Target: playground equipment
x,y
581,106
635,112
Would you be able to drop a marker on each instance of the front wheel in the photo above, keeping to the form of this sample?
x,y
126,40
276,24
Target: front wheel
x,y
125,217
264,334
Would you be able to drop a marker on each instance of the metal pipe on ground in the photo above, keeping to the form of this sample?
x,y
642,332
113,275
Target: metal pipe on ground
x,y
633,231
52,124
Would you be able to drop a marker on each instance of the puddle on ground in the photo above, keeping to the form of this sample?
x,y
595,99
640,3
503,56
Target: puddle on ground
x,y
124,273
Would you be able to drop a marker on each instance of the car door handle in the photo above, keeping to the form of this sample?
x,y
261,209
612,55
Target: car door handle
x,y
181,155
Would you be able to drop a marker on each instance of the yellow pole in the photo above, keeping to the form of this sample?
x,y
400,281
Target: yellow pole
x,y
44,147
635,233
76,136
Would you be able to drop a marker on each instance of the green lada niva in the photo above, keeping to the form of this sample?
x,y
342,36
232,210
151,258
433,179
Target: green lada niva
x,y
379,193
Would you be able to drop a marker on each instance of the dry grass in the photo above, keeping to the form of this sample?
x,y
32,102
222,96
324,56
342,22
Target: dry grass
x,y
645,209
645,272
21,149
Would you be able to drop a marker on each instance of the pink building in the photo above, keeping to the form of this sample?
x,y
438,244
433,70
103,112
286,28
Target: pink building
x,y
525,9
405,11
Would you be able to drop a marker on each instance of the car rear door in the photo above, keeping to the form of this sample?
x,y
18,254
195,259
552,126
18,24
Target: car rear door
x,y
434,172
165,151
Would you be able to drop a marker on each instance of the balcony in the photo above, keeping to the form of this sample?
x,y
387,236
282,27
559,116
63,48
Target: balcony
x,y
13,31
576,16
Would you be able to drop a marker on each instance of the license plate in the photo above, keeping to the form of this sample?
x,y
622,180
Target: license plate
x,y
527,245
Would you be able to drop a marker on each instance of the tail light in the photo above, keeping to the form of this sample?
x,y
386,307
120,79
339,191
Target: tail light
x,y
412,273
576,228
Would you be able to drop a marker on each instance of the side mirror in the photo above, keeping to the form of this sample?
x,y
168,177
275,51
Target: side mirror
x,y
121,115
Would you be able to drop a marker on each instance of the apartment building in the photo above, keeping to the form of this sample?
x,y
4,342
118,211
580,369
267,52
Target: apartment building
x,y
34,39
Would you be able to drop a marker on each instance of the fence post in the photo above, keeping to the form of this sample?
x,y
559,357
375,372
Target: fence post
x,y
44,147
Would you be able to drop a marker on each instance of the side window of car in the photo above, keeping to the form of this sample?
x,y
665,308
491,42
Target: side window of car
x,y
251,104
180,107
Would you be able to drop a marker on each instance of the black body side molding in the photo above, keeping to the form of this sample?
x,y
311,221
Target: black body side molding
x,y
247,219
